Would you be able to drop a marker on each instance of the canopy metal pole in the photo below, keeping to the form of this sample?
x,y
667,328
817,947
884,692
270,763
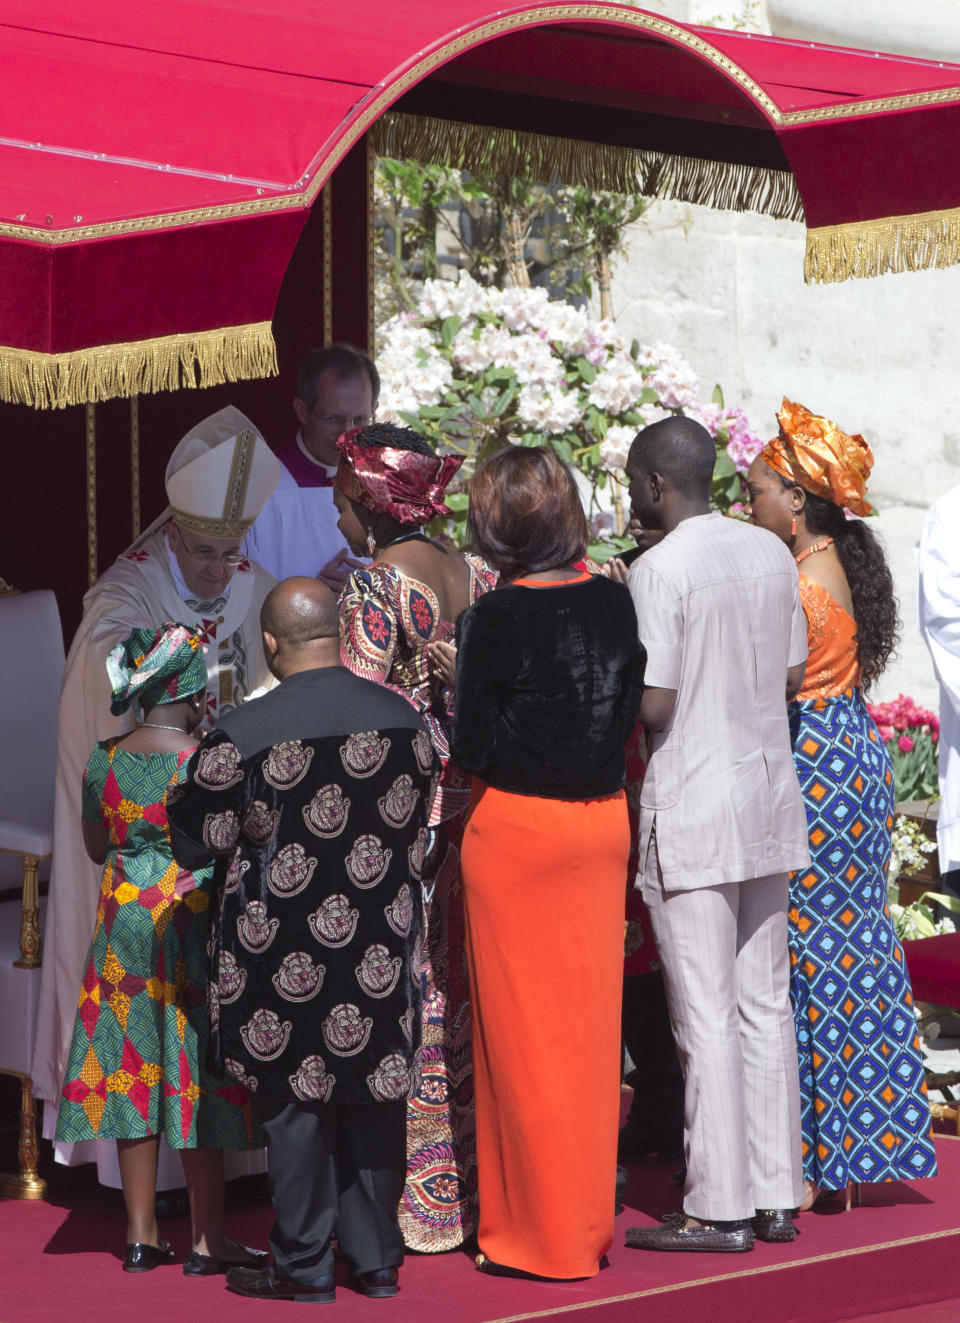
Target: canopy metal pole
x,y
134,466
326,215
91,418
371,163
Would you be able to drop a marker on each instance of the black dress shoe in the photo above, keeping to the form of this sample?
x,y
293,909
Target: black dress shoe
x,y
619,1190
378,1284
205,1265
142,1258
680,1237
271,1284
492,1269
774,1225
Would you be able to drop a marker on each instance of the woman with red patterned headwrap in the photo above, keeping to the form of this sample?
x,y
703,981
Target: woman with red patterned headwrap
x,y
389,484
864,1109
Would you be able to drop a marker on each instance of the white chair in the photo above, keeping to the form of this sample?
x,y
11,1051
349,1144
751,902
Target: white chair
x,y
31,669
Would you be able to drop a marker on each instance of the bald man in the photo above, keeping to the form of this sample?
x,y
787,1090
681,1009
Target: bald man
x,y
316,798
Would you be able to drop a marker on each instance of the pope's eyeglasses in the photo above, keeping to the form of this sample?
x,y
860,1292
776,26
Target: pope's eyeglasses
x,y
207,555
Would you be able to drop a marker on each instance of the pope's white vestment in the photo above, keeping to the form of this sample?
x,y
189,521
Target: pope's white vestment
x,y
144,587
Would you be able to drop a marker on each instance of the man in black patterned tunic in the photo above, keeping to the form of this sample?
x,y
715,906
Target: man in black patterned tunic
x,y
315,797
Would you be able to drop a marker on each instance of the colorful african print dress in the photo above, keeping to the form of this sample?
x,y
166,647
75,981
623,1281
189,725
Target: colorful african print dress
x,y
865,1114
136,1065
387,619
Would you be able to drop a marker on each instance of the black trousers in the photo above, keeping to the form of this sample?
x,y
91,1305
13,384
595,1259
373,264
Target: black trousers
x,y
334,1170
657,1108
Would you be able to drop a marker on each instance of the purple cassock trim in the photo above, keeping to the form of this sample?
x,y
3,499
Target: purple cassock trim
x,y
305,472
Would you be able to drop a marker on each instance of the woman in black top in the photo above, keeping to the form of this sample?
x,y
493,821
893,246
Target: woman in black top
x,y
548,681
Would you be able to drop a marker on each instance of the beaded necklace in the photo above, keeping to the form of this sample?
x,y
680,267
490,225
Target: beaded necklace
x,y
816,546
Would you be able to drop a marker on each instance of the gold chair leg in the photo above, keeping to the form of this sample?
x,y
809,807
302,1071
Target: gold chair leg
x,y
27,1183
29,917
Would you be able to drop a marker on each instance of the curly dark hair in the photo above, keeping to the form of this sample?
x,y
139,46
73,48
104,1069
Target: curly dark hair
x,y
875,608
397,438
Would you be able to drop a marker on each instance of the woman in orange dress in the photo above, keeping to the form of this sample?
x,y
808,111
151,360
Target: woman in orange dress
x,y
864,1109
548,682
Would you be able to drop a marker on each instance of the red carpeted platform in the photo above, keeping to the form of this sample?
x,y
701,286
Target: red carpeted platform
x,y
934,965
60,1261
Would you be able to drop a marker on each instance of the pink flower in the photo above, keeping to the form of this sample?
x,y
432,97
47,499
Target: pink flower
x,y
904,743
902,714
710,415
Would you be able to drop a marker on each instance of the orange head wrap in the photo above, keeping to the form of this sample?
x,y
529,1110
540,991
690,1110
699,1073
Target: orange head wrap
x,y
813,453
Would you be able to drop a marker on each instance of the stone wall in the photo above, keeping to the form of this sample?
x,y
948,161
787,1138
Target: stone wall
x,y
880,356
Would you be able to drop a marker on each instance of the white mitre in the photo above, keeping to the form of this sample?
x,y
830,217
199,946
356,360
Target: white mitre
x,y
220,475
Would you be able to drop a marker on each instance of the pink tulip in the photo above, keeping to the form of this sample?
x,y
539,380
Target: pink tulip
x,y
904,743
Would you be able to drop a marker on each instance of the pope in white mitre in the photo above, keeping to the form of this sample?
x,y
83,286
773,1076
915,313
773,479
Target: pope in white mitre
x,y
189,566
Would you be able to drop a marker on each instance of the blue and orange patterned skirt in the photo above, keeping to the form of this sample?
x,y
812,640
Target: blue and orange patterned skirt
x,y
865,1114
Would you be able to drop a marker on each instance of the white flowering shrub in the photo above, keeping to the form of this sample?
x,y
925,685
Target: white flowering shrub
x,y
911,922
475,368
910,846
908,855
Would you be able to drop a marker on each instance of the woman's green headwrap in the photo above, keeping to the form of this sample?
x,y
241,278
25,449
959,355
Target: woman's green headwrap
x,y
153,666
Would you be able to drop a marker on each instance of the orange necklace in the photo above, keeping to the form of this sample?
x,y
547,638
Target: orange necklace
x,y
816,546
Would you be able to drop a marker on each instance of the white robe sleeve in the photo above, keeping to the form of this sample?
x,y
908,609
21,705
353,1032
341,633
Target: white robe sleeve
x,y
938,603
938,598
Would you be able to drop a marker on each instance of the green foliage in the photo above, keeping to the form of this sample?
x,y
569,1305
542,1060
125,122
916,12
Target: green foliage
x,y
564,235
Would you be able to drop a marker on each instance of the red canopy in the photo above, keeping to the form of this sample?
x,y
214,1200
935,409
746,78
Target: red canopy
x,y
159,161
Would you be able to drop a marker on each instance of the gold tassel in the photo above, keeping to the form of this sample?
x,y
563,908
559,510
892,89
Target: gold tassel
x,y
140,367
877,247
629,170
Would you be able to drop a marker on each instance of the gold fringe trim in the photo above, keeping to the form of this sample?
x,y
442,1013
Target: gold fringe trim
x,y
139,367
876,247
149,224
630,170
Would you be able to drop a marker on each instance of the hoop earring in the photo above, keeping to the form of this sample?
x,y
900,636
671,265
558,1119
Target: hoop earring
x,y
793,527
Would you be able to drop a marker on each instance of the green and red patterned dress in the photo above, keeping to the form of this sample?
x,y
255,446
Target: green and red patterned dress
x,y
136,1065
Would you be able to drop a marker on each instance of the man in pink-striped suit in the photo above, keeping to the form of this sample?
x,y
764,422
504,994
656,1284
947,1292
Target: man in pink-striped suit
x,y
721,825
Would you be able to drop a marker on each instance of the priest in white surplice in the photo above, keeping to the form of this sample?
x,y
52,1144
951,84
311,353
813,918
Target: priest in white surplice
x,y
189,566
939,611
296,532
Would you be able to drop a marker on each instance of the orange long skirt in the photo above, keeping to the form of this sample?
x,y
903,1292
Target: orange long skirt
x,y
544,892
